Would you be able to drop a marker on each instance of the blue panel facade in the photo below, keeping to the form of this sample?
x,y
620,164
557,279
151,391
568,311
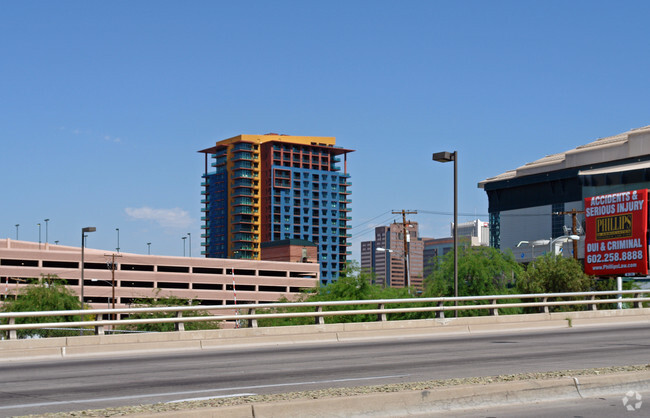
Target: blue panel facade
x,y
308,207
216,210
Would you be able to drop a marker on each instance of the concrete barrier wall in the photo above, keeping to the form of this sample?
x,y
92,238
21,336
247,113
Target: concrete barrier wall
x,y
17,350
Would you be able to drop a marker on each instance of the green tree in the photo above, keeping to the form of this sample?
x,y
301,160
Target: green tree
x,y
166,327
352,285
481,271
48,293
555,274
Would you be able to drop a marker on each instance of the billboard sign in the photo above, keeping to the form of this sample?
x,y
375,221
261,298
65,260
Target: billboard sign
x,y
616,234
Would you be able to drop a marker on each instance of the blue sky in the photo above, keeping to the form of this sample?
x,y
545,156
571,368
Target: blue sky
x,y
104,105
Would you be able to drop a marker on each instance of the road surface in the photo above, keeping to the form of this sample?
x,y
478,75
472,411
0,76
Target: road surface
x,y
100,382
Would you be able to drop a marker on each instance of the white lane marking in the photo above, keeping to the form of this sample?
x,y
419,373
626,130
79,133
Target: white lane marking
x,y
207,398
157,395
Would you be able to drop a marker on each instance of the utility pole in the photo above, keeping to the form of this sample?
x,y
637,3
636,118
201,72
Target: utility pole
x,y
574,229
113,280
406,248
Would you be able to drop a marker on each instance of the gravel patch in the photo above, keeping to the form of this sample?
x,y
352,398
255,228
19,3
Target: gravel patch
x,y
339,392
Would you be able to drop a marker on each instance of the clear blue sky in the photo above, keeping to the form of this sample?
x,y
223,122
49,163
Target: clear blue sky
x,y
104,105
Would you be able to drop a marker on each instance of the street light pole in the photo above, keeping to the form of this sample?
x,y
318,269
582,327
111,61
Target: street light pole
x,y
83,245
17,225
444,157
190,237
148,248
39,235
118,240
386,265
183,238
46,229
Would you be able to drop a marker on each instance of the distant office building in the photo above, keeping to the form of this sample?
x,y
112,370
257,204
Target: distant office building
x,y
474,233
367,256
137,277
388,257
265,188
537,202
477,231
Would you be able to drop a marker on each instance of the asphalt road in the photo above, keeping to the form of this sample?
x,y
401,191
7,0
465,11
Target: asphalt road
x,y
77,384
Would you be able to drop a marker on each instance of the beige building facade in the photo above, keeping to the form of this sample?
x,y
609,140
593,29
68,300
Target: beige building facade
x,y
204,281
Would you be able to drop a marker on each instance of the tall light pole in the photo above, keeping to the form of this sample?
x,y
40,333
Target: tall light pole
x,y
46,234
183,238
118,240
39,235
445,157
386,265
190,239
148,248
83,245
17,225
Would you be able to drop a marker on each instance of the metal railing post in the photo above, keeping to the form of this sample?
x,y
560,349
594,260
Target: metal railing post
x,y
441,313
99,329
494,311
13,334
545,307
382,316
252,323
319,319
593,306
179,325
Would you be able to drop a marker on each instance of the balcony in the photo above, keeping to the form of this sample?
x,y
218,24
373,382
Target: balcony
x,y
243,165
238,210
239,201
244,238
242,146
242,156
241,173
242,192
243,183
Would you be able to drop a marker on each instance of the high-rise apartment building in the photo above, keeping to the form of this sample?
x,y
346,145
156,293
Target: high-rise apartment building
x,y
263,188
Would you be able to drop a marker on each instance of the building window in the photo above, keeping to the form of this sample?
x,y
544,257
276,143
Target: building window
x,y
557,220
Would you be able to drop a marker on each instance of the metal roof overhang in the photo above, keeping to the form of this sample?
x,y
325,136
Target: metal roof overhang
x,y
619,174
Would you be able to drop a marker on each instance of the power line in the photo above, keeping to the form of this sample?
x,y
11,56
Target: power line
x,y
429,212
369,220
370,229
